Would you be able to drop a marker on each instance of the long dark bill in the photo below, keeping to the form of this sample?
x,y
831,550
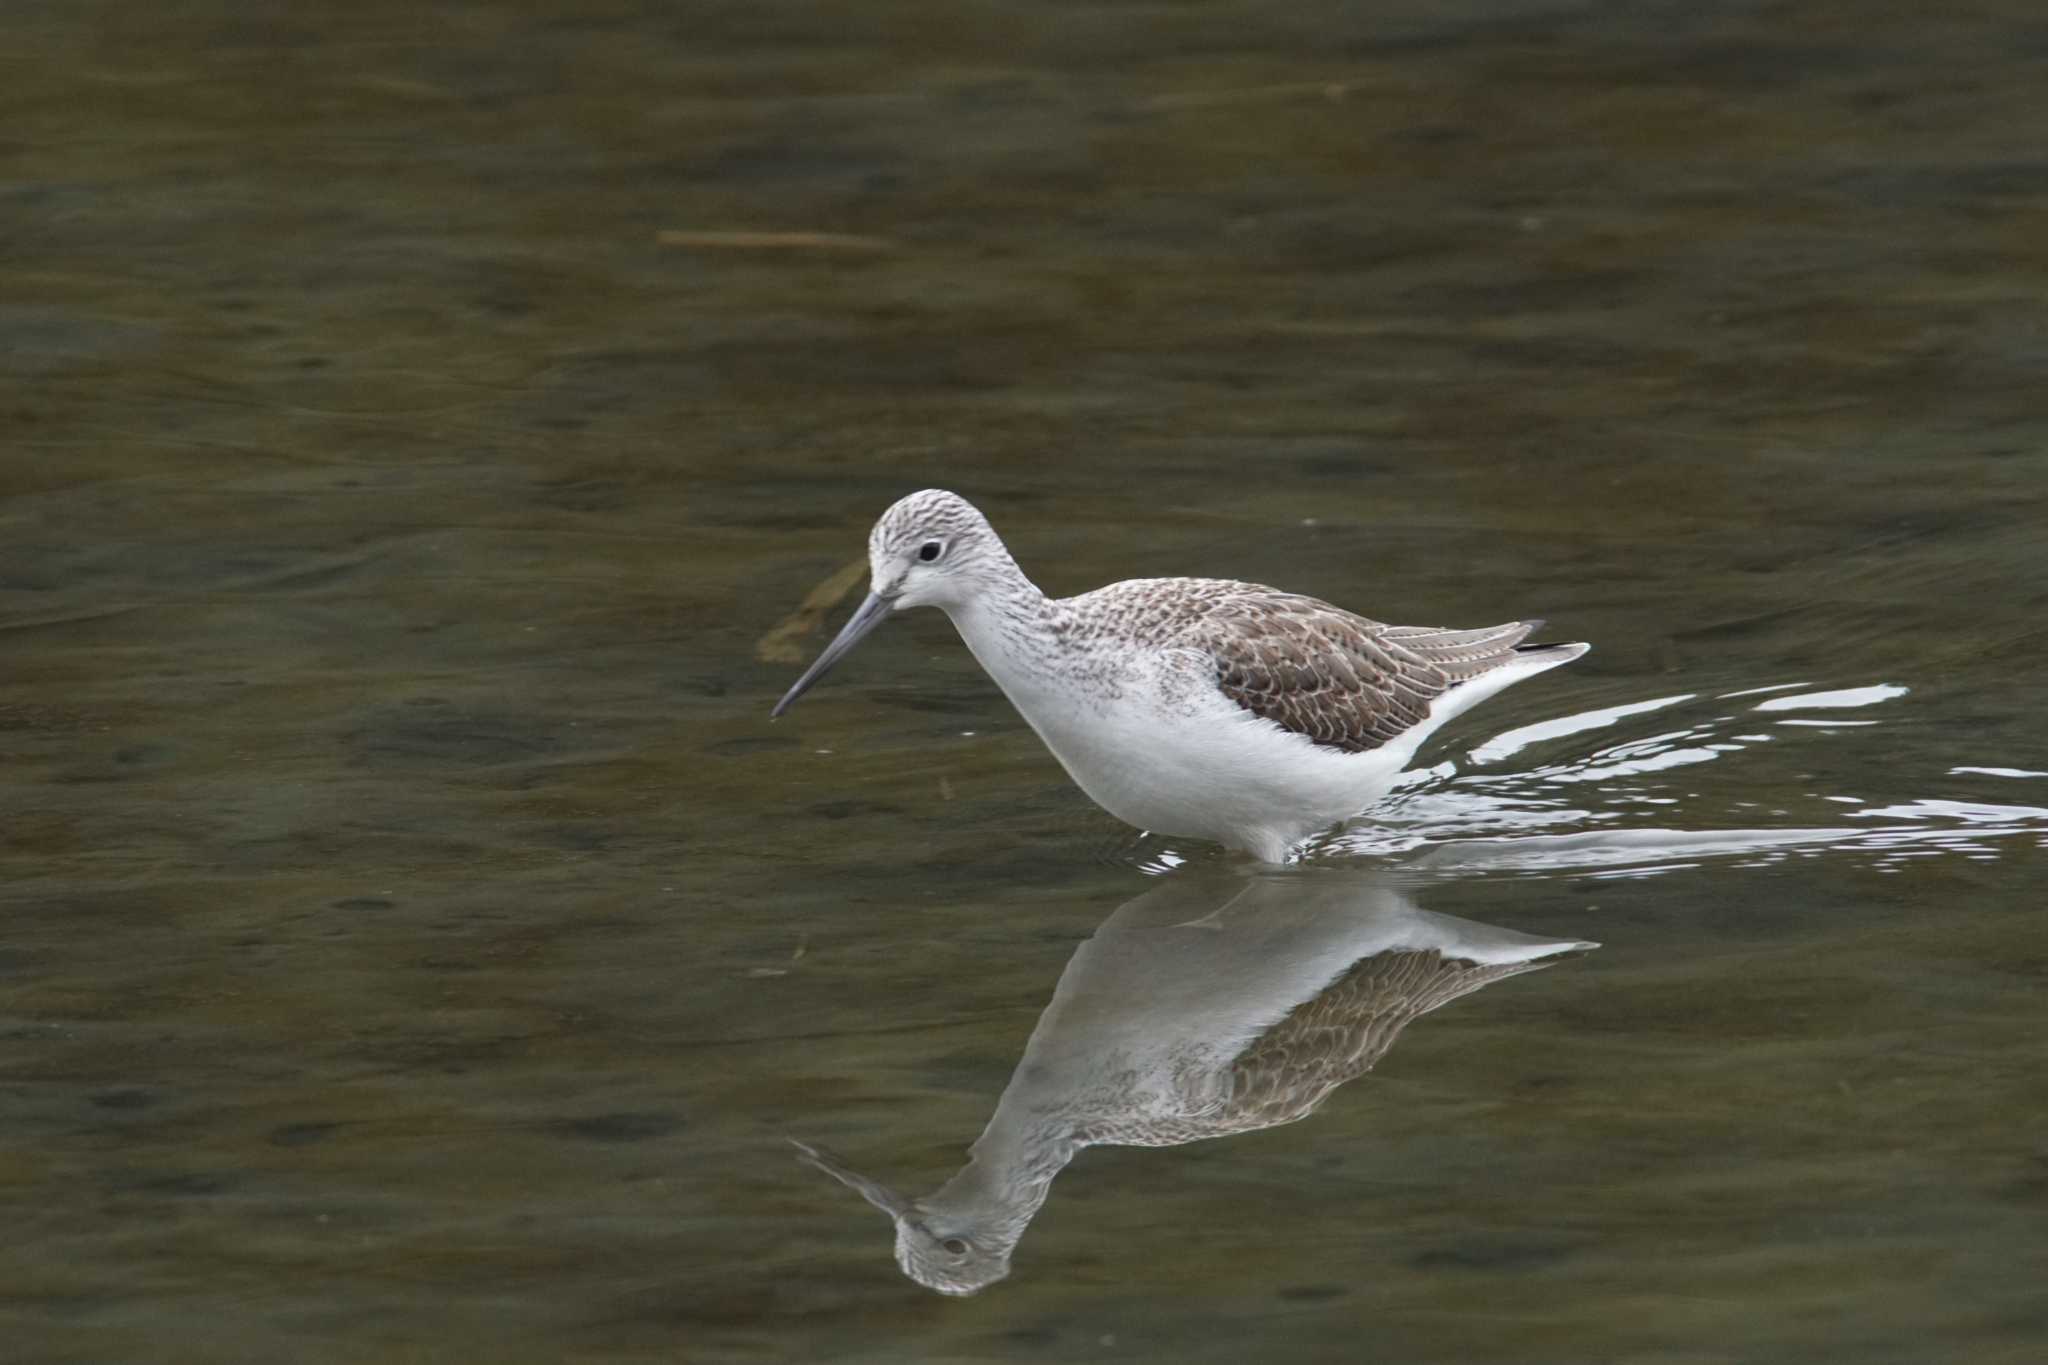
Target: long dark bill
x,y
872,613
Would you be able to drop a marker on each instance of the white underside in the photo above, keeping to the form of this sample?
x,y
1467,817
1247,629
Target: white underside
x,y
1176,758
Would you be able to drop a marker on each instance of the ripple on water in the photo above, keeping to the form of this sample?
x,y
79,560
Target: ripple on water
x,y
1582,809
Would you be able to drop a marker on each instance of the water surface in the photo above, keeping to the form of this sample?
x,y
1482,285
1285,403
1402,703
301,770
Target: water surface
x,y
419,945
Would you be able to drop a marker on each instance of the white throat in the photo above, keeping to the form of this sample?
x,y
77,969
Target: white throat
x,y
1011,628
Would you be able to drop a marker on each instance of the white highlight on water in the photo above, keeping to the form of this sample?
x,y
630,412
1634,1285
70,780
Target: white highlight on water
x,y
1511,741
1845,697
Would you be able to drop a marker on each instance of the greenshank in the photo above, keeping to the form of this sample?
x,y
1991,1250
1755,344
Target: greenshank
x,y
1190,706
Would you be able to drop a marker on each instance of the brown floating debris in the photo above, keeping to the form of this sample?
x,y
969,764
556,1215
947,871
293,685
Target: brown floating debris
x,y
1333,91
779,646
772,241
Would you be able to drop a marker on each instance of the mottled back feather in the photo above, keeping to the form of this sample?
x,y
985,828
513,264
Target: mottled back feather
x,y
1332,676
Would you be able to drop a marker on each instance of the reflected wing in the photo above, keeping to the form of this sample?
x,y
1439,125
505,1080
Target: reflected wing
x,y
1345,1030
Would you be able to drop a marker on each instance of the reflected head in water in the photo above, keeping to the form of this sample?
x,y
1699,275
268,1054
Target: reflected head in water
x,y
955,1250
1209,1006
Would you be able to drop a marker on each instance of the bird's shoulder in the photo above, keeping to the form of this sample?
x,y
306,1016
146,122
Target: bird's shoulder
x,y
1213,613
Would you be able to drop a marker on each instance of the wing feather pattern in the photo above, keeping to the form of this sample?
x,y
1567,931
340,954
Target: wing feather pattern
x,y
1344,1031
1337,678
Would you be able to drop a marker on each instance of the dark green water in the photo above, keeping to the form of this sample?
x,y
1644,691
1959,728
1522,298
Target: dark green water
x,y
418,945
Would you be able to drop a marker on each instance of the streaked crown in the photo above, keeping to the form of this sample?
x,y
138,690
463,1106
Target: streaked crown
x,y
935,548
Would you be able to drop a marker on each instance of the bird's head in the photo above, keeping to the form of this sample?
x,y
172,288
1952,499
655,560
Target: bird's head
x,y
930,549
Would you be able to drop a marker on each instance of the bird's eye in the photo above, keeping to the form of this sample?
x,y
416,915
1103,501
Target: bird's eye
x,y
954,1246
931,550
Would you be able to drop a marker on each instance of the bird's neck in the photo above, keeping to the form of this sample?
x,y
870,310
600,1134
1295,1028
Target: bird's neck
x,y
1005,1180
1011,627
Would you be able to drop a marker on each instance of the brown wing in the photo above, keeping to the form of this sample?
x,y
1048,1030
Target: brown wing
x,y
1342,1033
1337,678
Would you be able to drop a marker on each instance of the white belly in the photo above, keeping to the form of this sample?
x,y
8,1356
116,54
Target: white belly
x,y
1220,773
1162,749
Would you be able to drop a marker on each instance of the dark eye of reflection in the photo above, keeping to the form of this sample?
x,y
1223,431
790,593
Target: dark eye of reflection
x,y
930,550
955,1246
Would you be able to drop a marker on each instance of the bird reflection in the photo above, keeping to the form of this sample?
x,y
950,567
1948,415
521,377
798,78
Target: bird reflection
x,y
1208,1006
